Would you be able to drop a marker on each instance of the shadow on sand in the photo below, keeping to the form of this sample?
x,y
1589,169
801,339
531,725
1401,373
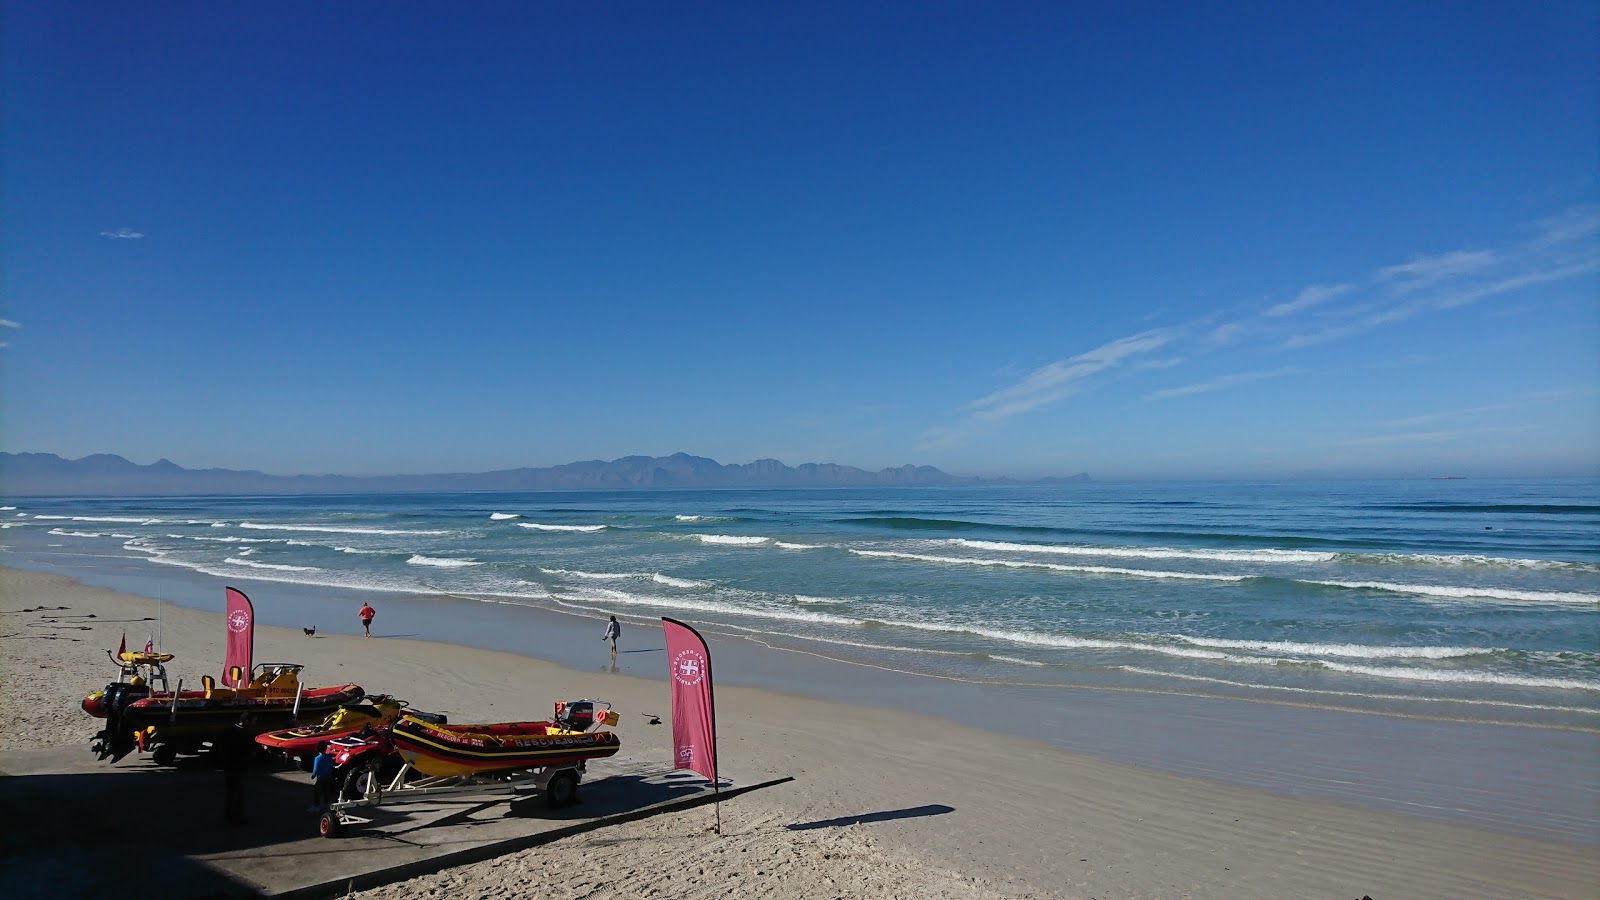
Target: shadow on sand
x,y
79,832
932,809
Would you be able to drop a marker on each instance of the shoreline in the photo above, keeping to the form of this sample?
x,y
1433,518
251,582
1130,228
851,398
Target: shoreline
x,y
1450,770
1021,816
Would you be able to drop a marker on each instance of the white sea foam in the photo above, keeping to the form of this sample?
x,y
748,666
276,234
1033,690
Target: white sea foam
x,y
1357,651
273,566
1057,567
1059,641
501,516
620,576
785,545
1262,555
337,529
1017,662
6,508
802,598
441,562
1463,677
62,532
1473,701
1467,560
248,550
733,539
219,524
1468,593
119,520
598,576
669,581
539,527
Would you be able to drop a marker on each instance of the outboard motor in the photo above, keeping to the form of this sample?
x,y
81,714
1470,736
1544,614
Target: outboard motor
x,y
575,715
115,741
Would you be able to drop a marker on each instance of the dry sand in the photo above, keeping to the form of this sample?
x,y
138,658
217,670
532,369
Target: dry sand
x,y
884,804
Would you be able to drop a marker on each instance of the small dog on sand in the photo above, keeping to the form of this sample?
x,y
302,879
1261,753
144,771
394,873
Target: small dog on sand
x,y
310,631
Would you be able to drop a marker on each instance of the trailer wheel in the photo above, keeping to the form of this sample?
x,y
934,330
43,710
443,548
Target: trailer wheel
x,y
164,755
364,783
562,789
329,825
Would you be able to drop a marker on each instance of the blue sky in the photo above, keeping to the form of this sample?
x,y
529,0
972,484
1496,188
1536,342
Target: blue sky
x,y
1137,240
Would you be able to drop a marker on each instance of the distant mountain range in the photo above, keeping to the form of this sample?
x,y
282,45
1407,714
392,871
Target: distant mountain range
x,y
108,475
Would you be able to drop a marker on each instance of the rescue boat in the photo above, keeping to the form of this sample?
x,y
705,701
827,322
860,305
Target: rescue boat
x,y
172,722
306,741
438,750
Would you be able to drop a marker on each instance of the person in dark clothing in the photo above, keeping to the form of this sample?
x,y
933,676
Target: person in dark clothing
x,y
235,747
613,632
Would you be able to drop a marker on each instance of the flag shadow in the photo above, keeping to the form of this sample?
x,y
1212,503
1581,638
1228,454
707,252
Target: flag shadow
x,y
932,809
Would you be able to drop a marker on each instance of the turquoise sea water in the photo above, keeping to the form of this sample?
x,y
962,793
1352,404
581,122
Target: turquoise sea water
x,y
1463,598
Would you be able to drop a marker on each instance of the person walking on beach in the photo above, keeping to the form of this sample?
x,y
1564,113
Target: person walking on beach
x,y
366,614
321,781
613,631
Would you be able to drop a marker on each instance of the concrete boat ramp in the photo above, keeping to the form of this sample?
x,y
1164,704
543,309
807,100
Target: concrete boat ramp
x,y
70,826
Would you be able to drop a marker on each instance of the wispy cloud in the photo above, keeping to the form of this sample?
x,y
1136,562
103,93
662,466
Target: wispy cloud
x,y
1063,378
1521,401
1558,249
1221,383
1226,334
1314,295
7,323
1045,385
1428,284
1166,363
123,234
1424,436
1426,271
1411,438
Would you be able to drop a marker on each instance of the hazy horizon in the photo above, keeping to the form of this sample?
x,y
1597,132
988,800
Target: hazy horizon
x,y
1259,242
1124,478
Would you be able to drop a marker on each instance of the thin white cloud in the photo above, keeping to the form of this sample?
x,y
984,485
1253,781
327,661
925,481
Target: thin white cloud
x,y
1043,386
1521,401
1063,378
1167,363
1226,334
1560,273
1424,436
1427,271
1414,437
124,234
7,323
1331,333
1314,295
1572,225
1222,382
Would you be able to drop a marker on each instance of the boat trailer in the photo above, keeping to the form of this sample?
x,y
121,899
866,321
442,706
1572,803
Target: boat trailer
x,y
558,784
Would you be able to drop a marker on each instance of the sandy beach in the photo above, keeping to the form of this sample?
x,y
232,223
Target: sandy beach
x,y
884,803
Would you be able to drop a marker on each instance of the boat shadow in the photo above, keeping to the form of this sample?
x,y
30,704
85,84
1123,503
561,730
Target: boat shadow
x,y
931,809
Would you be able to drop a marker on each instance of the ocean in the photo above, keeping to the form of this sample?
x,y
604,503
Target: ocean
x,y
1466,599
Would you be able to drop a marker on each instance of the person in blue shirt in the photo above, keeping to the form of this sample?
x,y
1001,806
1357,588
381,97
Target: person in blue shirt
x,y
321,781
